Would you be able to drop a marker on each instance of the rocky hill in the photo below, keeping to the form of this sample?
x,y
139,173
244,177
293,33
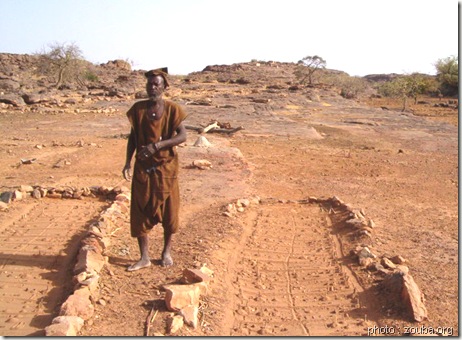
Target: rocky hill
x,y
22,85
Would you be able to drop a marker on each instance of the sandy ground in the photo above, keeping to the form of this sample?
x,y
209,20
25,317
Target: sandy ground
x,y
280,267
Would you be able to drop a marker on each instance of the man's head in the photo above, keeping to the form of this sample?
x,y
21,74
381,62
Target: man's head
x,y
156,82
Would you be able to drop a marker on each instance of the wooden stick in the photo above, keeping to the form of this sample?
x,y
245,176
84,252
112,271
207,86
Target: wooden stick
x,y
149,320
214,125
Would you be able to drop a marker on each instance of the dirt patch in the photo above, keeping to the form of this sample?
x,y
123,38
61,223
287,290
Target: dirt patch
x,y
280,268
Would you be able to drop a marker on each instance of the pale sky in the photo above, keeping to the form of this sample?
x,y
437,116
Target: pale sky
x,y
359,37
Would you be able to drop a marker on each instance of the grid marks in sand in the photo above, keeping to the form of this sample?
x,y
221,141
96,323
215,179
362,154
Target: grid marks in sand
x,y
290,281
39,244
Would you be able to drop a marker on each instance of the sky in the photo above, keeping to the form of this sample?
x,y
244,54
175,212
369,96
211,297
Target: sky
x,y
359,37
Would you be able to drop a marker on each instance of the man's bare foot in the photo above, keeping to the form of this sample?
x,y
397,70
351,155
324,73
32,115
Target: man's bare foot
x,y
139,265
167,260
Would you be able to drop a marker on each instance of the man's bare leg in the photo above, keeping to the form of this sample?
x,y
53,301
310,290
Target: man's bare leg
x,y
167,260
145,261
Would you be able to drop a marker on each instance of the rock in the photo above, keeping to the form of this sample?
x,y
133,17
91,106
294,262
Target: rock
x,y
6,196
206,270
194,276
175,323
9,85
398,259
18,195
202,142
202,164
64,326
388,263
78,304
190,316
365,261
34,98
243,202
413,297
123,197
12,99
357,222
36,194
365,252
54,195
178,297
401,286
89,259
401,268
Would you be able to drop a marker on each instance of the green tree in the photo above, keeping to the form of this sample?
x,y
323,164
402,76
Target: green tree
x,y
447,73
307,67
63,63
407,86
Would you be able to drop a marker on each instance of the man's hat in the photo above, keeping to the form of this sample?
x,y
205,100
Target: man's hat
x,y
163,71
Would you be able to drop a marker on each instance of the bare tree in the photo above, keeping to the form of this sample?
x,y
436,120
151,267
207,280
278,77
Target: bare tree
x,y
63,63
307,67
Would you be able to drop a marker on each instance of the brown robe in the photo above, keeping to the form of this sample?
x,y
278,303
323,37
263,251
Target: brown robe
x,y
155,194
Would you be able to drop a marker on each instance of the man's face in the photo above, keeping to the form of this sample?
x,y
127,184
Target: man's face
x,y
155,86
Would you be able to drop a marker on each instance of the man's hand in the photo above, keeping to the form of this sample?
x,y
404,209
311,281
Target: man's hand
x,y
127,172
147,151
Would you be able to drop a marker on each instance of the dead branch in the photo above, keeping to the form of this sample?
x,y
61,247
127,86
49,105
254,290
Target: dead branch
x,y
151,316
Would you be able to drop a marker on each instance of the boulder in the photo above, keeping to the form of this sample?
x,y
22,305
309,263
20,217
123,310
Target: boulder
x,y
64,326
178,297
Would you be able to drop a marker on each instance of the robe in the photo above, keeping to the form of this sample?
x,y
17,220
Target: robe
x,y
155,196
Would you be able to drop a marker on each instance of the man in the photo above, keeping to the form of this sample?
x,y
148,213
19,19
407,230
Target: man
x,y
156,130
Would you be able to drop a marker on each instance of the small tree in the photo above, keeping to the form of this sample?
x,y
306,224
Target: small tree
x,y
447,73
350,87
64,63
307,67
408,86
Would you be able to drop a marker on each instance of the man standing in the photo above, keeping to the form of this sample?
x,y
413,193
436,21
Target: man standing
x,y
156,130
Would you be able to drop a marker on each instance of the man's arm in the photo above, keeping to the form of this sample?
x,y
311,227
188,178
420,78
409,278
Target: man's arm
x,y
131,147
152,148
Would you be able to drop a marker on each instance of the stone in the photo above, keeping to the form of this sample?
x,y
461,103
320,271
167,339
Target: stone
x,y
357,222
387,263
413,298
179,296
123,197
201,141
194,276
365,252
398,259
26,188
54,195
365,261
3,206
36,194
64,326
243,202
89,259
371,223
175,323
18,195
190,316
6,197
202,164
206,270
78,304
401,286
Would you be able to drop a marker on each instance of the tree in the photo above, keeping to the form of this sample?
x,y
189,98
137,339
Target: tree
x,y
62,62
307,67
407,86
447,73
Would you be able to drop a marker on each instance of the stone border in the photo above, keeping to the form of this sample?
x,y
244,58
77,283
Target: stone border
x,y
184,299
79,306
395,275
